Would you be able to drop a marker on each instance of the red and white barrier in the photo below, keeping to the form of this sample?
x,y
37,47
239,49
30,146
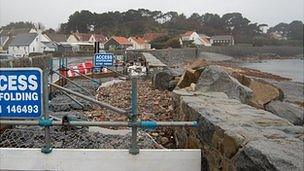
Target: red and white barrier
x,y
83,68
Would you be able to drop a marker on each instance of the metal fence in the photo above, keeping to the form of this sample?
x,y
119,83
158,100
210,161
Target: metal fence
x,y
46,121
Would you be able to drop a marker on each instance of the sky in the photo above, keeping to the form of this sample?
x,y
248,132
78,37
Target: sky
x,y
53,12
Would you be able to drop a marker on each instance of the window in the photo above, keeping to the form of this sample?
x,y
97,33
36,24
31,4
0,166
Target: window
x,y
37,39
33,49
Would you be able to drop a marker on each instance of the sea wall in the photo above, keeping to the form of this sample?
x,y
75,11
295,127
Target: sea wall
x,y
179,56
236,136
239,51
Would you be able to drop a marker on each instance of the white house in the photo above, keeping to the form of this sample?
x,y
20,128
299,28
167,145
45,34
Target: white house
x,y
98,38
196,38
24,44
79,38
6,35
139,43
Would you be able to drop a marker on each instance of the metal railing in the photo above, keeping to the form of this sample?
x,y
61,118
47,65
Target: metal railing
x,y
133,122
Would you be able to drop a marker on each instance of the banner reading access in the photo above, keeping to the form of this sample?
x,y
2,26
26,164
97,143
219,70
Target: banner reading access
x,y
103,59
21,93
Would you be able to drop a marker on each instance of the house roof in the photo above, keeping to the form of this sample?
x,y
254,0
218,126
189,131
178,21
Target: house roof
x,y
139,40
121,40
152,36
3,40
100,37
205,40
83,37
204,36
55,37
188,33
65,45
222,37
23,39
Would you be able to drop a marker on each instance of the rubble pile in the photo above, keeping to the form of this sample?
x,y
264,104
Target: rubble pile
x,y
77,137
152,105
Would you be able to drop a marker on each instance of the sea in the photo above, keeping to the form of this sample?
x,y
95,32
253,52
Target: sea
x,y
289,68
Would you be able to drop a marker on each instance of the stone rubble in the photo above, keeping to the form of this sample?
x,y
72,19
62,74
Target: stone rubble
x,y
80,137
153,104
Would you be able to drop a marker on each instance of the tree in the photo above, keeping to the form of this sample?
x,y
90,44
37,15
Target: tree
x,y
293,30
173,43
17,25
50,30
140,21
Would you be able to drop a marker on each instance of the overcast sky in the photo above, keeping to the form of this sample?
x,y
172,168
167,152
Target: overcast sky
x,y
53,12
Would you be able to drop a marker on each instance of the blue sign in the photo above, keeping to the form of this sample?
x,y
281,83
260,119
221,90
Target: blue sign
x,y
103,59
21,93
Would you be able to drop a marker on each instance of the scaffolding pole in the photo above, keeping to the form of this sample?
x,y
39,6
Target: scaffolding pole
x,y
47,148
141,124
134,149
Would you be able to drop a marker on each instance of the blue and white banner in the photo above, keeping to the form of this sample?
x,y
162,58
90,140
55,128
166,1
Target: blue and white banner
x,y
21,93
103,59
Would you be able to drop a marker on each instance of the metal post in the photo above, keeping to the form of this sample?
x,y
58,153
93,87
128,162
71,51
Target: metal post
x,y
133,146
47,148
59,68
51,76
65,63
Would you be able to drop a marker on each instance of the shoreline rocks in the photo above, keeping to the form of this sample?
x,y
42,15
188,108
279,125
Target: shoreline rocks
x,y
236,136
286,110
215,78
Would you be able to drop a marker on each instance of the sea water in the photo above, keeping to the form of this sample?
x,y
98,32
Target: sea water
x,y
290,68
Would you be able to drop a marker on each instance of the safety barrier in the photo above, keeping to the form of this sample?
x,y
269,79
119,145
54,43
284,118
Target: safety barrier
x,y
46,122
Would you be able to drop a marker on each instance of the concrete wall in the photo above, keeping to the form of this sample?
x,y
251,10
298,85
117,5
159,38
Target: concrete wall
x,y
96,160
